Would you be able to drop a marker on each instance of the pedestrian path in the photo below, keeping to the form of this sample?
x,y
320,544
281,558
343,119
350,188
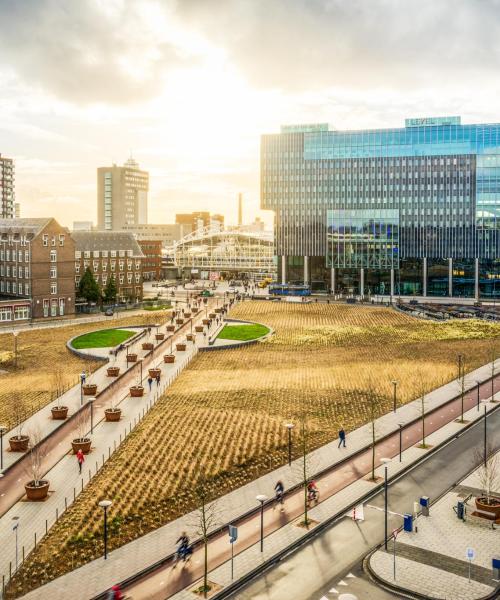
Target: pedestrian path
x,y
155,546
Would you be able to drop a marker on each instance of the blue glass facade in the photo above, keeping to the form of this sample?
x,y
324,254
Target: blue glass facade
x,y
380,199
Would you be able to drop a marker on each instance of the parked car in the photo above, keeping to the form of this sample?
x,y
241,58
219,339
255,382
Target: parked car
x,y
109,312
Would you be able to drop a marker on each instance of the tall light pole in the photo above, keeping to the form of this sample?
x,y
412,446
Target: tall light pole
x,y
15,528
289,426
400,440
394,398
478,399
82,381
15,334
385,462
105,504
3,429
261,498
485,433
91,402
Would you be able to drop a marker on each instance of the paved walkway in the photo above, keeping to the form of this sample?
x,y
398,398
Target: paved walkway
x,y
433,561
155,546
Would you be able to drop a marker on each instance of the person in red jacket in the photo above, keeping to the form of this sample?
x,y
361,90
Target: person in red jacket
x,y
80,458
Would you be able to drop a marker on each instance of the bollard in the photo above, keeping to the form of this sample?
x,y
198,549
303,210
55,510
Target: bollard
x,y
130,427
10,570
57,514
46,526
90,474
82,484
120,438
103,460
109,452
74,494
96,467
23,553
35,540
65,503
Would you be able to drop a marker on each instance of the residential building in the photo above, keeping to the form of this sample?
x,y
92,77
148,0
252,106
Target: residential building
x,y
167,234
199,220
411,211
122,196
83,225
36,269
17,210
151,263
107,254
7,184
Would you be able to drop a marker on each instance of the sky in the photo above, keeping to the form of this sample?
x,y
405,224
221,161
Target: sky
x,y
188,87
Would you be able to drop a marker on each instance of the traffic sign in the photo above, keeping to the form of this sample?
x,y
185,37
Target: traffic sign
x,y
233,534
470,554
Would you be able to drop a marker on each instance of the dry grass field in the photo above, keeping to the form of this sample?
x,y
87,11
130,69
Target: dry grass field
x,y
227,411
41,354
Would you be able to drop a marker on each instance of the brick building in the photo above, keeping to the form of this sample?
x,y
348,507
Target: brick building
x,y
110,253
151,263
36,270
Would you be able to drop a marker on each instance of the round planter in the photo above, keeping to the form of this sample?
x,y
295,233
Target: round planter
x,y
190,337
180,347
212,315
154,373
218,310
206,321
113,414
147,346
481,504
37,492
187,315
81,444
169,358
205,300
170,327
131,357
160,336
199,328
179,321
59,413
195,310
136,391
113,371
89,389
19,444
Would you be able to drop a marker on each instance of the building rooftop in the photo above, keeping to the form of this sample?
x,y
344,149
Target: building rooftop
x,y
106,240
28,225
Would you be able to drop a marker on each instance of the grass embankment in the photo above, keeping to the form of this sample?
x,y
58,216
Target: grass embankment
x,y
107,338
243,332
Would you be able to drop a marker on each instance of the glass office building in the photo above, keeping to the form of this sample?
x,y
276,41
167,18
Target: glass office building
x,y
413,211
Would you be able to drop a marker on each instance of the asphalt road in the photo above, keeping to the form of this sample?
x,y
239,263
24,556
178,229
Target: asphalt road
x,y
333,560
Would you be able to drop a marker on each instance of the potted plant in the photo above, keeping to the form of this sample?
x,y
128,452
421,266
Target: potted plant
x,y
137,390
132,357
159,336
212,315
206,321
187,314
180,346
147,345
89,389
169,358
179,321
199,328
489,479
194,310
190,337
113,370
37,488
18,442
113,413
59,411
154,372
82,441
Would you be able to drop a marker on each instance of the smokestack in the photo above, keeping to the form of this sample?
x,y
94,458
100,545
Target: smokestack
x,y
240,209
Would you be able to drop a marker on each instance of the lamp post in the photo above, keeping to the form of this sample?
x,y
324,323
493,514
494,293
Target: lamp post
x,y
140,362
3,429
82,381
105,504
385,462
15,528
289,426
15,334
261,498
395,384
485,402
400,440
478,399
91,402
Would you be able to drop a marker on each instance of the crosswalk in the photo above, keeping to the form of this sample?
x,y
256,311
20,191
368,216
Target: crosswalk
x,y
333,591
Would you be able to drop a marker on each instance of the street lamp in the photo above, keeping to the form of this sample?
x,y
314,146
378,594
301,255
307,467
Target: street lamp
x,y
400,439
289,426
3,429
140,362
105,504
485,403
385,462
15,334
478,399
83,376
395,384
15,528
261,498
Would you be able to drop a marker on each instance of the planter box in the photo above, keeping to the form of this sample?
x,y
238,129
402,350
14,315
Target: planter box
x,y
136,391
113,371
179,321
187,315
491,508
190,337
199,328
206,321
154,373
113,414
81,444
160,336
89,389
169,358
180,347
37,492
218,310
59,413
194,310
170,327
212,315
19,444
131,357
147,346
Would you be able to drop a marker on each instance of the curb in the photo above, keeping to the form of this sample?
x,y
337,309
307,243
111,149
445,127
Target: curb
x,y
241,343
134,338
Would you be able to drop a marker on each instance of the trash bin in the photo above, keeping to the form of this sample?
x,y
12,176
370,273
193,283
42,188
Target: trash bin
x,y
496,567
425,503
408,522
461,510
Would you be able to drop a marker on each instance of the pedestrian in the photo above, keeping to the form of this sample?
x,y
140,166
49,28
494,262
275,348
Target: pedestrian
x,y
341,438
279,492
150,382
80,458
158,380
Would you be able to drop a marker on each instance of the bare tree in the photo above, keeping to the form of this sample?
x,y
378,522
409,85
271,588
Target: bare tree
x,y
36,455
18,414
371,397
57,385
488,473
305,468
81,421
493,360
421,407
461,383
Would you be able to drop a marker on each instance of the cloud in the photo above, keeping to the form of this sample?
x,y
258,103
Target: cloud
x,y
90,51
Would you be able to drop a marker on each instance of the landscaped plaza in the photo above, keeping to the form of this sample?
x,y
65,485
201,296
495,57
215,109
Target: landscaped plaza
x,y
330,365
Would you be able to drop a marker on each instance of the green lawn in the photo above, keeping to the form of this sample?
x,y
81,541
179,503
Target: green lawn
x,y
243,332
157,307
102,339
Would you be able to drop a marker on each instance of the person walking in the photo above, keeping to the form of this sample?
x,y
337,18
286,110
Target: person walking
x,y
158,380
80,458
341,438
150,382
279,492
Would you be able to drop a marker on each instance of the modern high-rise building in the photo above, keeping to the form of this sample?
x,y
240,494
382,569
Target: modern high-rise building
x,y
7,194
408,211
200,219
122,196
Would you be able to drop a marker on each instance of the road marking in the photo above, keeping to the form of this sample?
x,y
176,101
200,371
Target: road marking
x,y
323,598
342,582
351,575
333,591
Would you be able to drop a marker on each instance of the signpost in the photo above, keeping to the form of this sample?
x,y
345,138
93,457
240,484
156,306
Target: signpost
x,y
470,554
233,536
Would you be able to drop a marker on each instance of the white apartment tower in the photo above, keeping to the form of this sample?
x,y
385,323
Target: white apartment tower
x,y
7,195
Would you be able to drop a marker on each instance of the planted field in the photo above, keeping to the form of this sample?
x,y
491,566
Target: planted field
x,y
44,366
243,332
102,339
227,412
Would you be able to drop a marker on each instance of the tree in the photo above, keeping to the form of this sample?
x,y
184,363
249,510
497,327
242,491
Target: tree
x,y
36,455
422,406
110,290
488,473
493,359
372,397
88,287
461,382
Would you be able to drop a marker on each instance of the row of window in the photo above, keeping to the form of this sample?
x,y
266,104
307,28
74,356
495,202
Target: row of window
x,y
5,271
6,254
18,312
121,278
45,239
103,253
12,287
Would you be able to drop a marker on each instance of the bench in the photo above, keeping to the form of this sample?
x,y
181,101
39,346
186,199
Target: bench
x,y
483,517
